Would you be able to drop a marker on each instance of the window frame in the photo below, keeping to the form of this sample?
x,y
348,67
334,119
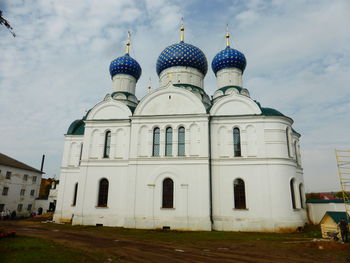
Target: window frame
x,y
237,148
239,194
19,207
5,191
8,175
169,141
301,187
32,192
107,144
75,194
292,193
25,177
181,142
102,198
156,145
22,192
168,193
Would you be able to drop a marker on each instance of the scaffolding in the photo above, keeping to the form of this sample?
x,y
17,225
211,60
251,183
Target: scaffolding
x,y
343,163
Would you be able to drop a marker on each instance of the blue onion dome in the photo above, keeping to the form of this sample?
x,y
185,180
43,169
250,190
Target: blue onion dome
x,y
228,58
182,54
125,65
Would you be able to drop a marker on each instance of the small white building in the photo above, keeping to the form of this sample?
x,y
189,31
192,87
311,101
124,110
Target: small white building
x,y
317,208
179,158
19,186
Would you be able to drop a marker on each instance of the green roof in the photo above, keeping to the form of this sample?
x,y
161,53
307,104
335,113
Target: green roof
x,y
76,128
325,201
223,89
337,216
127,94
270,112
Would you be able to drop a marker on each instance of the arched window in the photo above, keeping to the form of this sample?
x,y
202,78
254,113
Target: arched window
x,y
296,152
301,194
75,194
236,142
292,193
107,147
103,193
239,194
156,141
181,142
169,141
287,138
168,193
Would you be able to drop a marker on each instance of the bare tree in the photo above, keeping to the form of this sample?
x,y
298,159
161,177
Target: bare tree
x,y
4,22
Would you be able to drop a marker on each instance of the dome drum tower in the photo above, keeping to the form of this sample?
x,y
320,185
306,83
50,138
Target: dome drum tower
x,y
228,66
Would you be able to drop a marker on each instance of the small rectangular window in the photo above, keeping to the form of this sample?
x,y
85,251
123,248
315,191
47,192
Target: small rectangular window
x,y
2,206
5,191
22,192
8,175
29,208
25,177
32,192
19,207
34,179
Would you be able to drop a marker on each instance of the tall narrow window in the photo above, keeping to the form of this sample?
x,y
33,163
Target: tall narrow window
x,y
301,193
168,193
156,141
181,142
107,147
81,153
75,194
236,142
103,193
292,193
169,141
239,194
287,138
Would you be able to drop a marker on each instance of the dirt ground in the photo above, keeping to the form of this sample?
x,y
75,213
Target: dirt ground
x,y
105,244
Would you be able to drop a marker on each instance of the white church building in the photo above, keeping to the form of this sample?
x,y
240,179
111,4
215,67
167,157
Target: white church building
x,y
179,158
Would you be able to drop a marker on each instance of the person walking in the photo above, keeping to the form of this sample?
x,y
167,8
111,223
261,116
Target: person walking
x,y
344,229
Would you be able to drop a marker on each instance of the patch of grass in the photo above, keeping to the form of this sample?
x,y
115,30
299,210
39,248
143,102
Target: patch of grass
x,y
29,249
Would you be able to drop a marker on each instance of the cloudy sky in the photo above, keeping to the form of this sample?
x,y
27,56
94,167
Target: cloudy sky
x,y
56,68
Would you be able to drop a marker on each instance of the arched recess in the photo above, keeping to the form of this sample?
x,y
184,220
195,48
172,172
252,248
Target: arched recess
x,y
252,147
194,139
288,141
120,146
239,194
94,142
143,141
223,142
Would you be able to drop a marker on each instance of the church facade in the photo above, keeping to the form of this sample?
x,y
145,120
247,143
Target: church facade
x,y
180,159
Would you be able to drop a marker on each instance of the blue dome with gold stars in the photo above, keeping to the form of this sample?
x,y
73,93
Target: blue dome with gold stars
x,y
228,58
182,54
125,65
